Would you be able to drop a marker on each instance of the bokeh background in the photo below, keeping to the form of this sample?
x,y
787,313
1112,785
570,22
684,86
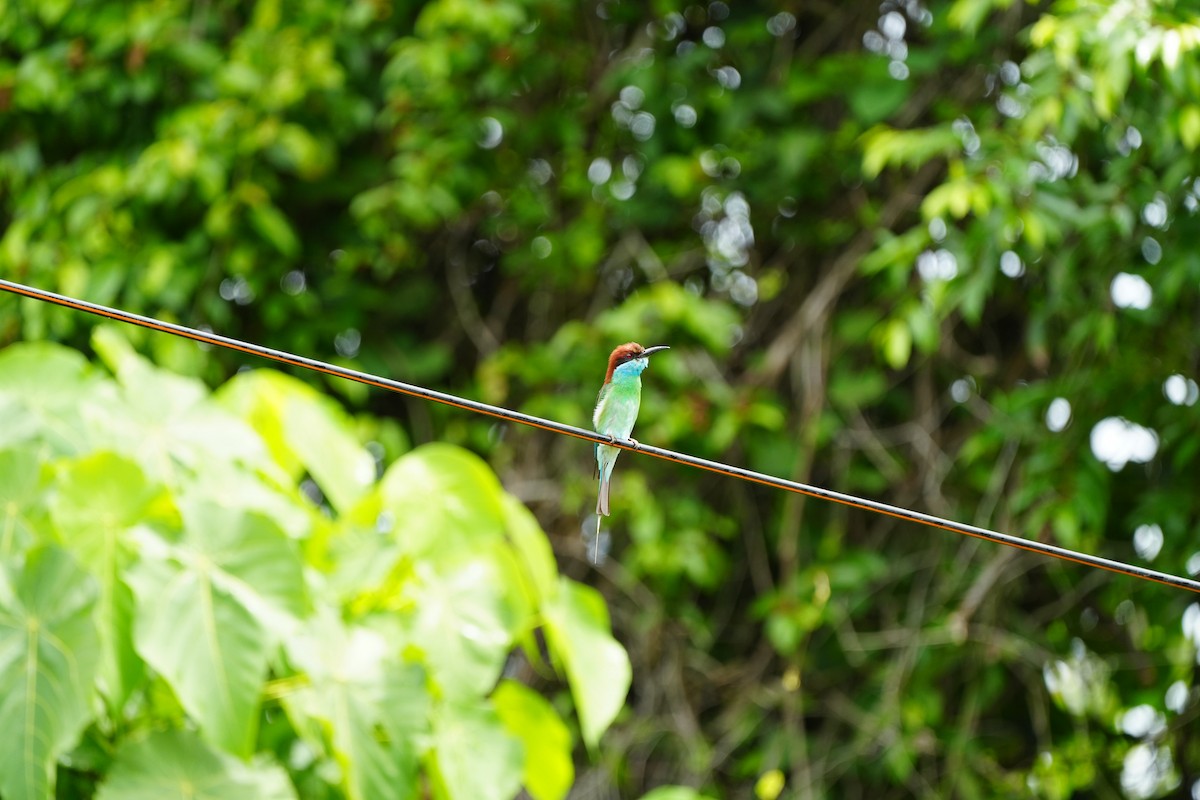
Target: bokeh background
x,y
940,254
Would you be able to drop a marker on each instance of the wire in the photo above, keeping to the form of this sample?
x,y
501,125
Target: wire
x,y
1041,548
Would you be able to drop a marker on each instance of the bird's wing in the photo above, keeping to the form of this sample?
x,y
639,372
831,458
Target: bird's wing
x,y
596,416
600,400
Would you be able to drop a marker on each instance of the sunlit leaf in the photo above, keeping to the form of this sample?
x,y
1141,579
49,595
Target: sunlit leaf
x,y
674,793
97,502
19,495
49,651
1189,126
533,549
42,381
474,756
208,609
168,421
442,498
178,765
896,341
464,625
884,147
596,665
548,772
356,689
303,430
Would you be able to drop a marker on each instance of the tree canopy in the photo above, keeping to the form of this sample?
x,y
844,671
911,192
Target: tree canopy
x,y
940,255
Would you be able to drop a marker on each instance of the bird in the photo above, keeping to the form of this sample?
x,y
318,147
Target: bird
x,y
616,411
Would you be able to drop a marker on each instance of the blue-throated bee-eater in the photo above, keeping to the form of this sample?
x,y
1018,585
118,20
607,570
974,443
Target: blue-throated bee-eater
x,y
616,412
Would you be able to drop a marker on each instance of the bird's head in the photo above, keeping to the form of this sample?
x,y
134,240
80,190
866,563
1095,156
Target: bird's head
x,y
633,354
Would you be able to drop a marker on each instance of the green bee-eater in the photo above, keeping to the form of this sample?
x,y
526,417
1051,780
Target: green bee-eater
x,y
616,412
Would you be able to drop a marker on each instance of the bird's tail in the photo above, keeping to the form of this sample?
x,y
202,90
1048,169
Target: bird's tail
x,y
606,459
596,542
602,496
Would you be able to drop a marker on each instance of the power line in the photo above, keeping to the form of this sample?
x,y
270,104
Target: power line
x,y
581,433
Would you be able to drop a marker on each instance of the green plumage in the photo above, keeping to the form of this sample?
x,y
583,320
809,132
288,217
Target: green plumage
x,y
616,412
615,415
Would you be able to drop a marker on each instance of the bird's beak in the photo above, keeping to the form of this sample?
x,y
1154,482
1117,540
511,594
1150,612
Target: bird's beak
x,y
654,349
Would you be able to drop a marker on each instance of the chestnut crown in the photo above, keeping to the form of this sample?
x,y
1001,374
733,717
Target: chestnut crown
x,y
628,352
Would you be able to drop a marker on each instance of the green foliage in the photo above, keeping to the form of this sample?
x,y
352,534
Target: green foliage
x,y
931,253
596,664
176,618
673,793
548,771
177,764
48,647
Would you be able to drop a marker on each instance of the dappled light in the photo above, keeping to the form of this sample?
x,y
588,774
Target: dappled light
x,y
1117,442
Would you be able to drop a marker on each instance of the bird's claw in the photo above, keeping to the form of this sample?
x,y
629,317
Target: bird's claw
x,y
615,442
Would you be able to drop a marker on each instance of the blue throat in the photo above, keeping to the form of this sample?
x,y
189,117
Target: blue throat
x,y
630,369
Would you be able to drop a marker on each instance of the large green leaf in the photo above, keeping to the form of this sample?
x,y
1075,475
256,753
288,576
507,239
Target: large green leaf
x,y
177,765
548,772
464,625
207,646
303,429
474,756
167,421
597,666
533,550
97,501
442,499
374,707
251,491
20,423
674,793
43,373
439,505
44,382
209,610
256,562
19,500
49,650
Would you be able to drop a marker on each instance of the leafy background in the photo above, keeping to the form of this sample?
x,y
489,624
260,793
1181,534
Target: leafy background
x,y
937,254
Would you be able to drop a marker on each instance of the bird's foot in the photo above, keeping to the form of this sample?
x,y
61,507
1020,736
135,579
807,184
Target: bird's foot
x,y
615,442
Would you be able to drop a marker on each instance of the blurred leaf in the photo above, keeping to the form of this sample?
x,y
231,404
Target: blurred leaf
x,y
98,501
1189,126
465,626
177,764
597,667
674,793
884,147
43,381
896,340
208,608
19,496
49,651
357,689
305,430
443,499
533,549
769,785
548,772
475,755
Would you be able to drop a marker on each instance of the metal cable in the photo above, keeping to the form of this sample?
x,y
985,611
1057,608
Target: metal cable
x,y
1042,548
